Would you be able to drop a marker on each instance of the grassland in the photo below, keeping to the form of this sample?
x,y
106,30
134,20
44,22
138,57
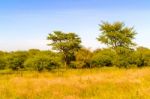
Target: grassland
x,y
103,83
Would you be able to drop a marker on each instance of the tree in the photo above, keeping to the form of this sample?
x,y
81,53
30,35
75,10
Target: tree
x,y
65,43
116,35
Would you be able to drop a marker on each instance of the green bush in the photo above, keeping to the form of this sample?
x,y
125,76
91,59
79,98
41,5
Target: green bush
x,y
103,57
124,57
2,63
2,60
41,62
15,60
32,52
142,57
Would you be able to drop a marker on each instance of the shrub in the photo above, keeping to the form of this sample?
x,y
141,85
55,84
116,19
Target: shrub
x,y
2,63
41,62
103,57
82,59
124,57
2,60
33,52
15,60
142,57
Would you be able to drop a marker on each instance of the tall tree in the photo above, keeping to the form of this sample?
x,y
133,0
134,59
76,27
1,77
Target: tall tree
x,y
116,35
65,43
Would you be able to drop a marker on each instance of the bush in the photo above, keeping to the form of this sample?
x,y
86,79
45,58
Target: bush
x,y
142,57
2,60
15,60
33,52
82,59
2,63
41,62
103,57
124,57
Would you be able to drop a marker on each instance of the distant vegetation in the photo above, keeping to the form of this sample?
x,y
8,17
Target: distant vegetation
x,y
121,52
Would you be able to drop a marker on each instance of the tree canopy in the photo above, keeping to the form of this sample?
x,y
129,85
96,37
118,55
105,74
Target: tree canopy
x,y
116,35
65,43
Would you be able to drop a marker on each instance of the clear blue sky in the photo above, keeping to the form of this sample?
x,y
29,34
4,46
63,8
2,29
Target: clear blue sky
x,y
25,24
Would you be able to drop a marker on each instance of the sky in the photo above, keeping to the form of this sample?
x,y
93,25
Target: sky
x,y
25,24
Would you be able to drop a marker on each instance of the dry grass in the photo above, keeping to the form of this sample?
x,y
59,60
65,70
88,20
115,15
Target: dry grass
x,y
104,83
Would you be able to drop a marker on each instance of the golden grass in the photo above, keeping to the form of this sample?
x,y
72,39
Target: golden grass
x,y
103,83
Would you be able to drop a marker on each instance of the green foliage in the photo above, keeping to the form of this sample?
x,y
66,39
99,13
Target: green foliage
x,y
123,57
42,61
2,60
103,57
116,35
120,57
33,52
142,57
82,59
15,60
65,43
2,63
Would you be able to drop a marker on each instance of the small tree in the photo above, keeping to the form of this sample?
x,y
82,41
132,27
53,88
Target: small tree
x,y
65,43
116,35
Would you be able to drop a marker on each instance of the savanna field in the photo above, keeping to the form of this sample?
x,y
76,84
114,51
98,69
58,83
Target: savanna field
x,y
71,71
74,49
96,83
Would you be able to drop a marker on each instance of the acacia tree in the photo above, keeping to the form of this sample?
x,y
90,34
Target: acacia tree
x,y
65,43
119,37
116,35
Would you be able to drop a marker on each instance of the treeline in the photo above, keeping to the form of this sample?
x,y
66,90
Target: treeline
x,y
121,52
35,59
